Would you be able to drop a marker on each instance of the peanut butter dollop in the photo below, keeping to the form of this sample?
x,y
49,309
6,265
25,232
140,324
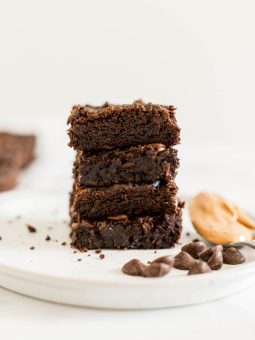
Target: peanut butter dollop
x,y
219,221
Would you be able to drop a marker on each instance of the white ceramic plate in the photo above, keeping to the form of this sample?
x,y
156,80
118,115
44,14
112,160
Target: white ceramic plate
x,y
52,271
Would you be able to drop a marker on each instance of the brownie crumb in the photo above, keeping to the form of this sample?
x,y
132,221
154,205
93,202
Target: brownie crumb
x,y
102,256
32,248
0,238
31,229
48,238
89,255
196,240
181,204
63,244
75,251
187,233
79,260
98,251
155,251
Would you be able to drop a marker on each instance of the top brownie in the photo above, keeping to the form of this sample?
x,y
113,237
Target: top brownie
x,y
119,126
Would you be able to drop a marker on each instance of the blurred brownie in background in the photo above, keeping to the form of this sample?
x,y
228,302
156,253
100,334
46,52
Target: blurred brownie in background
x,y
16,152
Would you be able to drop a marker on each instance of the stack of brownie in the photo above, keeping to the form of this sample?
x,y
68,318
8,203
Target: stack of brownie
x,y
124,194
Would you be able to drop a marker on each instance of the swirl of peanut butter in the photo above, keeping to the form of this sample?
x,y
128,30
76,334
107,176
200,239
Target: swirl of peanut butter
x,y
219,221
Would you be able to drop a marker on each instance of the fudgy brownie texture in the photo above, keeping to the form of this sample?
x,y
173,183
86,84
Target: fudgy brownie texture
x,y
141,164
122,232
16,152
118,126
132,200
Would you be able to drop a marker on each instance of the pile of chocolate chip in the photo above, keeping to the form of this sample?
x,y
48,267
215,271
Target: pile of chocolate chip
x,y
194,257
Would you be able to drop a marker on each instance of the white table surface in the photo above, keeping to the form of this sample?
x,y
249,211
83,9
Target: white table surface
x,y
228,170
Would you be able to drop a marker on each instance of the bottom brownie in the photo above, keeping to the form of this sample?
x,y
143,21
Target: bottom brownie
x,y
120,232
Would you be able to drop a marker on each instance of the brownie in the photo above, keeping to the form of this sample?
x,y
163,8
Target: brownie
x,y
122,232
119,126
141,164
16,152
132,200
8,177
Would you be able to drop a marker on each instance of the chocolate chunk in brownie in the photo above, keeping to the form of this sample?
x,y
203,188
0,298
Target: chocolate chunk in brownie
x,y
118,126
16,152
132,200
149,232
141,164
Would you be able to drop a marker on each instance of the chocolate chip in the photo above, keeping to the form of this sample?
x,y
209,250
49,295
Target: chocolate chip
x,y
134,267
156,270
169,260
213,257
63,244
32,248
215,262
207,253
183,261
199,267
194,248
47,238
31,229
233,256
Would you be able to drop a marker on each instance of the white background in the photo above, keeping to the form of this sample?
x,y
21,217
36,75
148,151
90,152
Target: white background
x,y
197,55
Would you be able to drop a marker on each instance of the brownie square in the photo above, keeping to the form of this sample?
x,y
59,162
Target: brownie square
x,y
123,232
132,200
139,164
119,126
